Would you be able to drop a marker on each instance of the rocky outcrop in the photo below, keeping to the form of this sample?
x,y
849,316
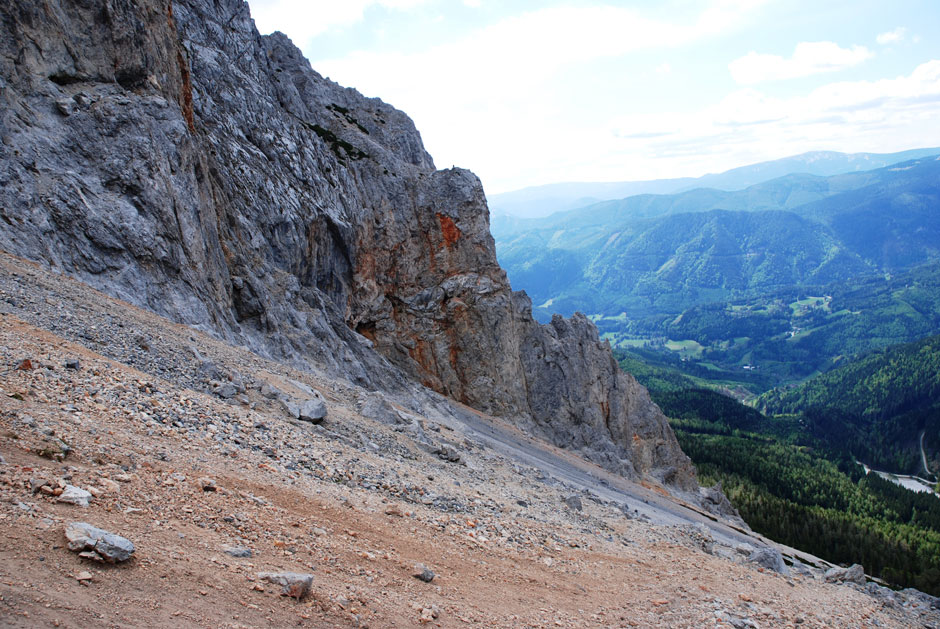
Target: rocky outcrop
x,y
170,155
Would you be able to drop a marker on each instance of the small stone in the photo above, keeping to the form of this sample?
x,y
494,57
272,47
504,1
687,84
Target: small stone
x,y
36,484
293,584
75,496
225,390
423,573
310,410
393,510
291,406
269,391
26,364
446,453
573,502
237,551
72,363
98,544
84,575
65,106
109,485
207,484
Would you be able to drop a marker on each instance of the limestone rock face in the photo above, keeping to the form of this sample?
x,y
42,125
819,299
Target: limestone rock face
x,y
173,157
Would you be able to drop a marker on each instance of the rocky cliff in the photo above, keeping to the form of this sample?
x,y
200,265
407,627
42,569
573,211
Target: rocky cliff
x,y
170,155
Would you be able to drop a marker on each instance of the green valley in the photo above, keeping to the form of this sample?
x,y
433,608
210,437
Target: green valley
x,y
815,300
767,285
803,486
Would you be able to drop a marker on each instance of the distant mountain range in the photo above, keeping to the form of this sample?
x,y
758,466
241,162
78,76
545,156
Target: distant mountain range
x,y
541,201
666,253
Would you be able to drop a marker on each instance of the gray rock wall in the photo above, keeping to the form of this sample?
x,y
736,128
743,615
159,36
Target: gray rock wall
x,y
172,156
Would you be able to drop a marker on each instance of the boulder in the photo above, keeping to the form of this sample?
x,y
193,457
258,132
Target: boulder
x,y
270,392
423,573
293,584
94,543
573,502
75,496
310,409
769,558
853,574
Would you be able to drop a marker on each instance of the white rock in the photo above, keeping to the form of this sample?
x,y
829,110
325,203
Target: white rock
x,y
75,496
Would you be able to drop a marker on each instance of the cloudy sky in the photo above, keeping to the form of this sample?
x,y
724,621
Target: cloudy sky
x,y
525,92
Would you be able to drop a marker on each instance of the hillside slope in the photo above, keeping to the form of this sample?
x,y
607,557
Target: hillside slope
x,y
876,407
515,531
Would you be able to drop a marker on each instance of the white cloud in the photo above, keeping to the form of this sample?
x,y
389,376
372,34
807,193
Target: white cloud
x,y
500,83
892,37
517,101
749,126
808,58
305,20
664,68
473,4
529,47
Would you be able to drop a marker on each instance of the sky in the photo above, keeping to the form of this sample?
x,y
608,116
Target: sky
x,y
526,93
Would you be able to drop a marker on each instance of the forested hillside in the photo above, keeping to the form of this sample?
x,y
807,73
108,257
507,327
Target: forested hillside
x,y
877,406
797,487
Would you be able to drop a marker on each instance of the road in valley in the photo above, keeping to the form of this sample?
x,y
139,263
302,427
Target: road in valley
x,y
923,454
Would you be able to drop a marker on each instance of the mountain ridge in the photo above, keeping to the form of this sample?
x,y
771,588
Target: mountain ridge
x,y
541,201
173,157
764,236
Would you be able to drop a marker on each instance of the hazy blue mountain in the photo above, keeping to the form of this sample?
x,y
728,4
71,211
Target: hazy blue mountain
x,y
666,253
540,201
